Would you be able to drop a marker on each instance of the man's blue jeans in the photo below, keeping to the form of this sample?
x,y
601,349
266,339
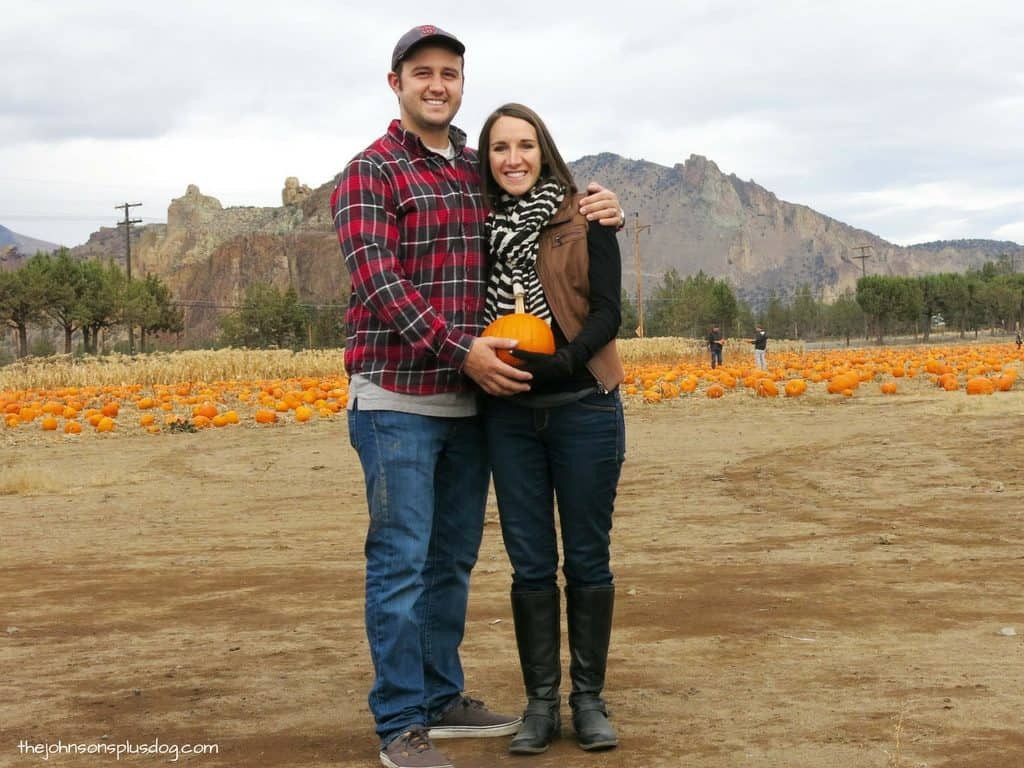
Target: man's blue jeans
x,y
573,452
426,487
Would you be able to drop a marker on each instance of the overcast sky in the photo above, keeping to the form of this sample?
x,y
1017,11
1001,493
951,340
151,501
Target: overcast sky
x,y
902,118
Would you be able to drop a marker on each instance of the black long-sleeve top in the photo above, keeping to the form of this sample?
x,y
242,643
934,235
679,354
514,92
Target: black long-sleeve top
x,y
602,324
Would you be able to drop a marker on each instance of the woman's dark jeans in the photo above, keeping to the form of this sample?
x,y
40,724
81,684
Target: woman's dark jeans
x,y
570,452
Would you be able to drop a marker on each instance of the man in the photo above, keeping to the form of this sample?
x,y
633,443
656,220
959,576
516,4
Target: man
x,y
760,342
409,217
715,344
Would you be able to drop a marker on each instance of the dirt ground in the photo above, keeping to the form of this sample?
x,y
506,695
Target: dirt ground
x,y
812,582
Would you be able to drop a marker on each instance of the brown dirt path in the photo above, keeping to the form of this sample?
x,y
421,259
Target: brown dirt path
x,y
801,583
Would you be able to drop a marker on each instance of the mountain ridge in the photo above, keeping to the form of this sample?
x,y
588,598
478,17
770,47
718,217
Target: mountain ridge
x,y
700,219
703,219
14,247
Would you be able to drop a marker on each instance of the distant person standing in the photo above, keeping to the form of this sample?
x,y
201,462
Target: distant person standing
x,y
715,343
1019,340
760,342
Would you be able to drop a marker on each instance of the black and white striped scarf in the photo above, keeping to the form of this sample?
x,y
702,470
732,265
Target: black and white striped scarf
x,y
513,234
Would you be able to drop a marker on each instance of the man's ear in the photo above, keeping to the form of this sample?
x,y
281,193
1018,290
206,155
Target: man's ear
x,y
394,82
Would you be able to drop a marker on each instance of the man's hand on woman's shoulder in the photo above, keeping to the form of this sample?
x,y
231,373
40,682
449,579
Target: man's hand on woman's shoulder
x,y
602,205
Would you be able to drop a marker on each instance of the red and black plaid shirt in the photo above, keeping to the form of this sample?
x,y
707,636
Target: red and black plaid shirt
x,y
410,224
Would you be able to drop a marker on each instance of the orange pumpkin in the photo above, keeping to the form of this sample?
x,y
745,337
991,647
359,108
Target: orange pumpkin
x,y
980,385
265,416
532,333
1004,383
795,387
207,409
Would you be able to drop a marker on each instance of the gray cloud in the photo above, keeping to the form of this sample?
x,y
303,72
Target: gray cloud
x,y
822,103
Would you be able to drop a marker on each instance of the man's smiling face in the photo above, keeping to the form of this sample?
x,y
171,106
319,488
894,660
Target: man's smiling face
x,y
429,89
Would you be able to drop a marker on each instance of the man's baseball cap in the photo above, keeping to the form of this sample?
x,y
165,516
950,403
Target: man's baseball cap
x,y
422,34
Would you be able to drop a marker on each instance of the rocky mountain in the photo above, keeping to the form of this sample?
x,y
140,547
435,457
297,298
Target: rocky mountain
x,y
209,254
700,219
14,247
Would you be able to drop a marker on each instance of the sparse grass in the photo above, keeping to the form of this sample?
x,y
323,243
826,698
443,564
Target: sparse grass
x,y
895,756
18,480
27,481
170,368
669,349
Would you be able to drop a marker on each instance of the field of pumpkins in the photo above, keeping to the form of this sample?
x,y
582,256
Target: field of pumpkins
x,y
969,369
193,391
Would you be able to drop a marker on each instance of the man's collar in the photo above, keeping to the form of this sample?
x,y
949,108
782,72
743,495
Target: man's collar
x,y
414,144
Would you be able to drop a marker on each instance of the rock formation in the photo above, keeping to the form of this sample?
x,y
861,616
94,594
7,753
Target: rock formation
x,y
293,192
701,219
209,254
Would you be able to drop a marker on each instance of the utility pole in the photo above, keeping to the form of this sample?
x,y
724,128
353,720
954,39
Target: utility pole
x,y
636,229
127,224
865,253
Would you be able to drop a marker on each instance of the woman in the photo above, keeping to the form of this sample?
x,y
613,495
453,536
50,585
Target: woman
x,y
565,438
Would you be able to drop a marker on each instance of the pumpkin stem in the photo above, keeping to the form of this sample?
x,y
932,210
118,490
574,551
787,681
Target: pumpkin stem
x,y
520,294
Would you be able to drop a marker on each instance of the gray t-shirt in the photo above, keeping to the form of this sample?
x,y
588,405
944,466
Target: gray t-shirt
x,y
371,397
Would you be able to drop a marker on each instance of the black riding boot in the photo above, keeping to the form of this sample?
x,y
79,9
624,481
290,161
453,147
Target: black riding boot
x,y
590,626
536,616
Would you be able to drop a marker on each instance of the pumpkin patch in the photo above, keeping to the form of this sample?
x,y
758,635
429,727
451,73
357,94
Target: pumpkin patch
x,y
245,389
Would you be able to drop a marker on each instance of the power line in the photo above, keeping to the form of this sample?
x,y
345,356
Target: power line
x,y
84,182
70,217
206,304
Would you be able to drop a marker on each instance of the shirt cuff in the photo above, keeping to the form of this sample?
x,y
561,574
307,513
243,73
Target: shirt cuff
x,y
455,348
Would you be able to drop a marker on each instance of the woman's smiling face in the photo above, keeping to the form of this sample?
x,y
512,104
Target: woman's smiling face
x,y
514,155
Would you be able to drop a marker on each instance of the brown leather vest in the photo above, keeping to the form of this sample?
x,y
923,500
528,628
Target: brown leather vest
x,y
563,264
